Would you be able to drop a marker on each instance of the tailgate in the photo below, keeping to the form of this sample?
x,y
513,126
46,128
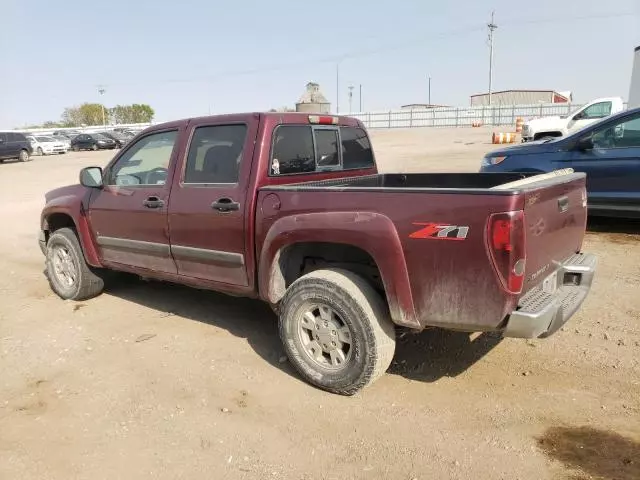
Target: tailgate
x,y
555,213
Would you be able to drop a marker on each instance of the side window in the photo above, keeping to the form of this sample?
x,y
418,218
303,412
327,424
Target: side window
x,y
292,150
625,134
215,153
146,162
326,148
597,110
12,137
356,148
3,137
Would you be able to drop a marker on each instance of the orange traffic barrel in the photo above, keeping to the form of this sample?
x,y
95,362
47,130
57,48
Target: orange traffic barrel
x,y
476,124
503,138
519,124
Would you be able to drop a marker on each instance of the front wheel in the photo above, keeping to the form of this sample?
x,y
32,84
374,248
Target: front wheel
x,y
94,147
40,151
75,148
336,330
23,156
69,275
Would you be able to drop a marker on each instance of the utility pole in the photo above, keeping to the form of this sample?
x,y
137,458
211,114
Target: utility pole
x,y
102,91
338,87
491,26
350,98
360,98
429,90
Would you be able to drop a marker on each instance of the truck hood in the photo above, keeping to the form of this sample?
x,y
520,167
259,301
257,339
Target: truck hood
x,y
546,123
537,147
68,191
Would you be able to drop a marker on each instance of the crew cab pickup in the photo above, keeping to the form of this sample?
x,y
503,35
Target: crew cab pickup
x,y
290,208
559,126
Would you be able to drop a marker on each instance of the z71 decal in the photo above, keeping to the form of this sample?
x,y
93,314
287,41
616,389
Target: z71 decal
x,y
438,231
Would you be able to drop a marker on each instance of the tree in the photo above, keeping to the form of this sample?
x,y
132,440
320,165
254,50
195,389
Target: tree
x,y
136,113
85,114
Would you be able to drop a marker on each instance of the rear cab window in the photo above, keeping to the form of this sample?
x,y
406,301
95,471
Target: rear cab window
x,y
303,149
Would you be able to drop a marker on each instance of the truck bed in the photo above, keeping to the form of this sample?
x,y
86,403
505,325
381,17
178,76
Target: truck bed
x,y
451,283
444,182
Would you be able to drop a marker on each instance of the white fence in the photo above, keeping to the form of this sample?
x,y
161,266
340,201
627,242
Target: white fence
x,y
493,115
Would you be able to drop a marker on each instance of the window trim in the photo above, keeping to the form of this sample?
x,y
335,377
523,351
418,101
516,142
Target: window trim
x,y
183,172
315,154
108,168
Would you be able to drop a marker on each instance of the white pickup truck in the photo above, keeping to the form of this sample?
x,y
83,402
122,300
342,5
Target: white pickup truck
x,y
539,128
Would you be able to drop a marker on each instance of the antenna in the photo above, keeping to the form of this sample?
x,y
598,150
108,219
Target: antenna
x,y
491,26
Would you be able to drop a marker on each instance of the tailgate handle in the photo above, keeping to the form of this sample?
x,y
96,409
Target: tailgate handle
x,y
563,204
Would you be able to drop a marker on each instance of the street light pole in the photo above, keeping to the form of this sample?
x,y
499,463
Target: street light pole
x,y
429,90
102,91
350,98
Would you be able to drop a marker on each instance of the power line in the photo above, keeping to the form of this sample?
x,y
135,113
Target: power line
x,y
370,51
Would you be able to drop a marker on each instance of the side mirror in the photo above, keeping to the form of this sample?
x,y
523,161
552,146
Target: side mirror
x,y
91,177
578,116
584,144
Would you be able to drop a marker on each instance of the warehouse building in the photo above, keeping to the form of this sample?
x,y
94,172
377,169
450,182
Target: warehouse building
x,y
521,97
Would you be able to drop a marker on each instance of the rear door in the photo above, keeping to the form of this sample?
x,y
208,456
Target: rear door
x,y
210,207
613,165
129,215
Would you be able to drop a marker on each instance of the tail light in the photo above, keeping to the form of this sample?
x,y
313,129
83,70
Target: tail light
x,y
506,244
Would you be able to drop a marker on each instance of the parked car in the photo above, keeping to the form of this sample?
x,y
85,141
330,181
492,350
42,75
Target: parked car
x,y
559,126
44,145
14,145
120,139
290,208
608,152
92,141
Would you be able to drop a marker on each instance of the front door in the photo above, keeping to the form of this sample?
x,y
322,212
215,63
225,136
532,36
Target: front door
x,y
129,215
589,115
613,165
209,202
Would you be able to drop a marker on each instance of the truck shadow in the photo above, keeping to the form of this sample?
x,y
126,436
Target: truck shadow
x,y
597,453
625,226
435,353
425,356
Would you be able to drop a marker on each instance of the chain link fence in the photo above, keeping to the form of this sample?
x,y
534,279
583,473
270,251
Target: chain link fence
x,y
494,115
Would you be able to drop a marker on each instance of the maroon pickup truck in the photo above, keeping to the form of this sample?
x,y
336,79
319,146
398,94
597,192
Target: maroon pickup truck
x,y
290,208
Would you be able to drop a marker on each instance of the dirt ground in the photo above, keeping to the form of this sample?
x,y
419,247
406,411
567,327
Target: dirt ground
x,y
152,380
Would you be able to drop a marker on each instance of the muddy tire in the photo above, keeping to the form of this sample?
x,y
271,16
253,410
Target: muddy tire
x,y
336,330
67,271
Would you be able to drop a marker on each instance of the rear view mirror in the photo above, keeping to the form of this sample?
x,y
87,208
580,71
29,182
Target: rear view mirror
x,y
91,177
585,143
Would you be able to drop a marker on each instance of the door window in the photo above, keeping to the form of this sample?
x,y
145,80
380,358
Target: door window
x,y
146,162
624,134
356,148
215,153
597,110
292,150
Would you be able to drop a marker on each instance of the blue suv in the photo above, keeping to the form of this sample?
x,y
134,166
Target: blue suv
x,y
607,151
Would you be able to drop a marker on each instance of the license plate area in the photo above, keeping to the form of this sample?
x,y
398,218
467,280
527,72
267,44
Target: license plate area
x,y
550,284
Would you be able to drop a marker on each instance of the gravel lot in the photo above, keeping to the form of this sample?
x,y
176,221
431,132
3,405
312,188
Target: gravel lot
x,y
156,381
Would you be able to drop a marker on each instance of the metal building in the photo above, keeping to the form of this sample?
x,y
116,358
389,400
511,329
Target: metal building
x,y
313,101
521,97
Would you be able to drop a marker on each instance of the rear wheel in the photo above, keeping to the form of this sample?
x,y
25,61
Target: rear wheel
x,y
336,330
69,275
40,152
94,147
23,156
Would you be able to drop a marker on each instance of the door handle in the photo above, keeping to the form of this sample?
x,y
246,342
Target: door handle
x,y
153,202
225,205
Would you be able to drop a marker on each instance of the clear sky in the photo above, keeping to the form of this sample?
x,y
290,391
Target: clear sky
x,y
192,57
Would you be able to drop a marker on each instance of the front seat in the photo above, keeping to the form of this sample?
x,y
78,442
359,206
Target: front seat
x,y
220,165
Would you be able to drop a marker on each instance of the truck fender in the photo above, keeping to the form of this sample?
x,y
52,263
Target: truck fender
x,y
372,232
69,206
